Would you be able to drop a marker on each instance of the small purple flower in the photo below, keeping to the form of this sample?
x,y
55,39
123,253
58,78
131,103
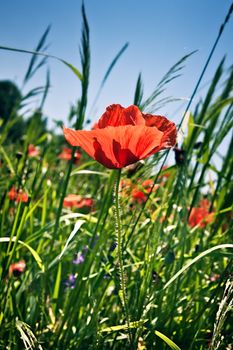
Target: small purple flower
x,y
79,259
70,281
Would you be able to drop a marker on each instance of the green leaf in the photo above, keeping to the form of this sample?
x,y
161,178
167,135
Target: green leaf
x,y
7,160
73,68
32,251
77,226
114,61
168,341
134,324
89,172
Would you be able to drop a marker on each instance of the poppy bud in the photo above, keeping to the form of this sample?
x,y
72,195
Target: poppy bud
x,y
198,145
113,247
180,156
155,276
17,269
19,155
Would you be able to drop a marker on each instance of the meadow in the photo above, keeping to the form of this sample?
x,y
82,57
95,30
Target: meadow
x,y
136,255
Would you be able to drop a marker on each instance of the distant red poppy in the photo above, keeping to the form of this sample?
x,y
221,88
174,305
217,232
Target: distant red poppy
x,y
138,196
74,200
140,193
71,200
33,151
12,194
17,268
66,154
124,136
19,196
125,185
200,216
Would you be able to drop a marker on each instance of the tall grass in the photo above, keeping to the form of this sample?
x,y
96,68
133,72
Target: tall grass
x,y
175,276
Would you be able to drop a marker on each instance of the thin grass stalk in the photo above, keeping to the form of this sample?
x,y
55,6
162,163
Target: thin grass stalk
x,y
222,172
75,297
18,233
208,60
14,226
189,104
85,59
212,300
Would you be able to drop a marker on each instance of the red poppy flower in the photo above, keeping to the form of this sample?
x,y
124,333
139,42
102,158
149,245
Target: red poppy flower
x,y
67,154
124,136
19,196
17,269
71,200
74,200
33,151
138,196
200,216
85,203
12,194
140,193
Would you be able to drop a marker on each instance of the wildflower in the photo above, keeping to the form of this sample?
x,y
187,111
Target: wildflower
x,y
214,277
85,203
33,151
200,216
140,193
17,269
79,259
70,281
138,196
12,194
77,201
71,200
124,136
19,196
66,154
125,185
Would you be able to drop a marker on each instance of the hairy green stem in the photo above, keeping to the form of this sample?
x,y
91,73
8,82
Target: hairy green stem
x,y
123,295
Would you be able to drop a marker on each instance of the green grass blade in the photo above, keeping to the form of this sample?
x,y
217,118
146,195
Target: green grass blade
x,y
168,341
197,258
32,251
73,68
77,226
40,47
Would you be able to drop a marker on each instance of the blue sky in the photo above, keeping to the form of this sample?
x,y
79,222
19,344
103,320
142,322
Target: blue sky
x,y
159,33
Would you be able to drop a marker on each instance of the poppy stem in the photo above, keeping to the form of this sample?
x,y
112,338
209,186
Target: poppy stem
x,y
122,292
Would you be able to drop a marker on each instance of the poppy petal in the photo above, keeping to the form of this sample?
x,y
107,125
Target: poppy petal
x,y
164,125
116,115
92,142
117,147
